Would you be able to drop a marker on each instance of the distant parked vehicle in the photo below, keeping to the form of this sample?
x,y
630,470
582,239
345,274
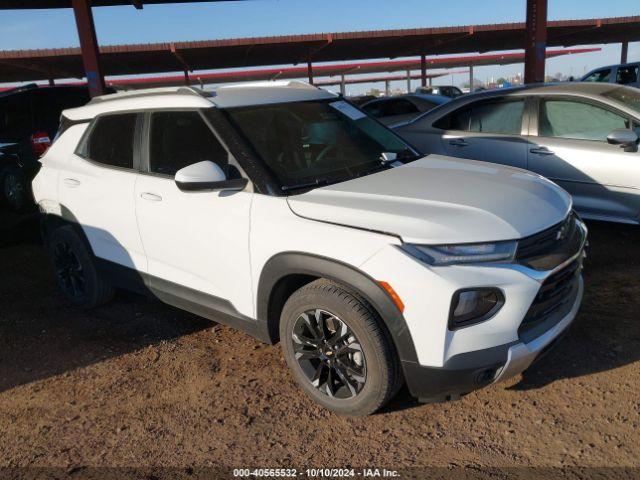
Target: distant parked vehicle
x,y
623,74
29,118
361,99
583,136
402,108
445,90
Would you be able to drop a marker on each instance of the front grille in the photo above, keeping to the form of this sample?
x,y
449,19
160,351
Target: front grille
x,y
551,247
552,303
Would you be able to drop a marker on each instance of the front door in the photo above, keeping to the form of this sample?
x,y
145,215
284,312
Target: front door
x,y
571,149
193,240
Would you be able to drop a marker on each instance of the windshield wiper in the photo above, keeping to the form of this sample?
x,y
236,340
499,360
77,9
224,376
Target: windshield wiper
x,y
315,183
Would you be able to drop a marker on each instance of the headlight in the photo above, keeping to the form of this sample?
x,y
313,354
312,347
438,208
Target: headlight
x,y
464,253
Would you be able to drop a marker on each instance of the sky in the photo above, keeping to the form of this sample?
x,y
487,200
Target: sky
x,y
33,29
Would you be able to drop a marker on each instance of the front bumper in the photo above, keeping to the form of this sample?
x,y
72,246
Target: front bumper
x,y
470,371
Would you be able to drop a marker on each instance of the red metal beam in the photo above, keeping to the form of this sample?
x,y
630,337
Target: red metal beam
x,y
536,41
89,47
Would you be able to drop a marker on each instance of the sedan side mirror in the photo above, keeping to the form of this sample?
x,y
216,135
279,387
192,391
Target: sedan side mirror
x,y
627,139
206,176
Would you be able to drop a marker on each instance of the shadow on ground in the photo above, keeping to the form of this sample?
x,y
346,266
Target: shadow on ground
x,y
42,336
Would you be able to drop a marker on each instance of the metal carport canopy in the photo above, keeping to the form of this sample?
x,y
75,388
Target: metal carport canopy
x,y
20,65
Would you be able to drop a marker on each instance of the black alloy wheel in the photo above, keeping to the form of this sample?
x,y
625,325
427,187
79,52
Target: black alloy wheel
x,y
329,354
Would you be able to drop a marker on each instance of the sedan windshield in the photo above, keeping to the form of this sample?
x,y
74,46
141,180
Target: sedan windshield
x,y
317,142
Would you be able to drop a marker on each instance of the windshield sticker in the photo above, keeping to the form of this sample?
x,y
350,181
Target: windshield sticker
x,y
348,110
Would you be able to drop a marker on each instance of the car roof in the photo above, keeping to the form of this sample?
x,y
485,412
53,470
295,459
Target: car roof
x,y
227,96
591,90
577,88
630,64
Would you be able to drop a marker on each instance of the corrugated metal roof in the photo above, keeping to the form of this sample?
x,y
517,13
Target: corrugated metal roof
x,y
25,65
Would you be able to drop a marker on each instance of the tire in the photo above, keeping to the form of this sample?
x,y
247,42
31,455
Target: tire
x,y
75,269
16,190
354,370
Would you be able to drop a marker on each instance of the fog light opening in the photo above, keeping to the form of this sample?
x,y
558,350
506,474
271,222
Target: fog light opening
x,y
474,305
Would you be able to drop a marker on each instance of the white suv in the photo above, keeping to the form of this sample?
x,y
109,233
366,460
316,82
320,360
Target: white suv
x,y
285,211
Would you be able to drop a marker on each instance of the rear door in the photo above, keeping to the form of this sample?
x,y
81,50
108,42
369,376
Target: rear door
x,y
96,187
569,146
488,130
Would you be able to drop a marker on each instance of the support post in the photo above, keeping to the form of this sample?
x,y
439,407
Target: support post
x,y
536,41
343,87
89,47
624,52
186,78
310,72
387,88
408,81
52,82
423,70
470,78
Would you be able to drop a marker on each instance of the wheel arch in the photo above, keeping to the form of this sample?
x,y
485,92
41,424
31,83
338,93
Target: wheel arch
x,y
285,272
50,221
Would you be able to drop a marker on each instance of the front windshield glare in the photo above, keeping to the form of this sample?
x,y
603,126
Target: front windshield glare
x,y
316,142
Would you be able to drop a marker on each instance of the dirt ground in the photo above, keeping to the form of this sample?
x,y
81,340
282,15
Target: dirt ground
x,y
136,383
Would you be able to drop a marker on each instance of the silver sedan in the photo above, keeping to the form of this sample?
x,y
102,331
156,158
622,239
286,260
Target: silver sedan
x,y
583,136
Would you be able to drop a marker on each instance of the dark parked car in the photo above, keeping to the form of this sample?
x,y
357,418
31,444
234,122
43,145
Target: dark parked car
x,y
402,108
446,90
29,119
623,74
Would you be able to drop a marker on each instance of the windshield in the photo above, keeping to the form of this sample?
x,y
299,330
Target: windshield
x,y
316,142
627,96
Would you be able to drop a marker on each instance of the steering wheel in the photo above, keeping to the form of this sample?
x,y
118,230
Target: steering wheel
x,y
325,151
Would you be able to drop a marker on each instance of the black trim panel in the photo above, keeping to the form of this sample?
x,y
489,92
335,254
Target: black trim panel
x,y
199,303
460,375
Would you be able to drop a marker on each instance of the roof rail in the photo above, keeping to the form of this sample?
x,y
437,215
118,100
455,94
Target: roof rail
x,y
151,92
21,88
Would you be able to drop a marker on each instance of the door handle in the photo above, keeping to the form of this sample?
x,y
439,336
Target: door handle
x,y
151,197
71,182
541,151
458,142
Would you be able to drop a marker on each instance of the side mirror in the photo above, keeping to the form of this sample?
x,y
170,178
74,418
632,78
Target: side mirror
x,y
627,139
206,176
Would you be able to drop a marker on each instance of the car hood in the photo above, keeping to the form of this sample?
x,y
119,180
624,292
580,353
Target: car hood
x,y
439,200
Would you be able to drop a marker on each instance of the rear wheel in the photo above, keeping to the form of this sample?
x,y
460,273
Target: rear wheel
x,y
75,269
15,189
337,349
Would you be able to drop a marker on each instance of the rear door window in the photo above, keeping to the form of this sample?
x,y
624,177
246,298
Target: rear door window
x,y
501,117
110,140
578,120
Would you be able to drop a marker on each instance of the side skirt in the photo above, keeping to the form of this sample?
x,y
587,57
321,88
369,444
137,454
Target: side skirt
x,y
199,303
